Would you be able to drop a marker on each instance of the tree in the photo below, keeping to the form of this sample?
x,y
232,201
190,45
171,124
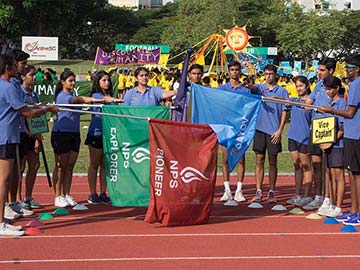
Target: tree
x,y
196,20
350,38
154,21
305,35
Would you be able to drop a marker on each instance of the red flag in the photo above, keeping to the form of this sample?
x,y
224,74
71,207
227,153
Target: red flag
x,y
183,163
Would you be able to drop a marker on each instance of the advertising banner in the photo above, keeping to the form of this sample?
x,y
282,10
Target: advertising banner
x,y
41,48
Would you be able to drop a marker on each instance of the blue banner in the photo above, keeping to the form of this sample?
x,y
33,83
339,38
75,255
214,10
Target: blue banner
x,y
230,114
297,66
284,68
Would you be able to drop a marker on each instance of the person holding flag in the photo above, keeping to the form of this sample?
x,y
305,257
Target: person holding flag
x,y
234,84
298,140
12,106
101,89
351,138
143,94
30,145
319,97
270,125
65,138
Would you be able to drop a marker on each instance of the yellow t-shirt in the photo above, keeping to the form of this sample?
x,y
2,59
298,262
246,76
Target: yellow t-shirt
x,y
130,82
122,82
291,88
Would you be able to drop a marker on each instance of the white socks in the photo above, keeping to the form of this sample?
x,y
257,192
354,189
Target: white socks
x,y
227,186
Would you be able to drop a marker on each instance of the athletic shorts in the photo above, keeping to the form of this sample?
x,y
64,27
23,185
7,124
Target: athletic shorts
x,y
94,141
334,157
8,151
352,155
27,144
313,149
262,141
64,142
297,146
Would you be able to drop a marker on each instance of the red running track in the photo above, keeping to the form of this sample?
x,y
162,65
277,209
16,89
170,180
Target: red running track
x,y
107,237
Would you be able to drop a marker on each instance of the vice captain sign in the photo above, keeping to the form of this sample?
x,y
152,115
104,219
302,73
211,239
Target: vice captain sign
x,y
323,130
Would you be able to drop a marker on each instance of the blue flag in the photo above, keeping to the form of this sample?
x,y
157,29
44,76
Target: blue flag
x,y
230,114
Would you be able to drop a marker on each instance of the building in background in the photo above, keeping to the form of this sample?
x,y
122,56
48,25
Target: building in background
x,y
139,4
329,4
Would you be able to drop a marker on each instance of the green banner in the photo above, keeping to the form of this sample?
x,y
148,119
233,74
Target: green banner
x,y
128,47
46,90
127,154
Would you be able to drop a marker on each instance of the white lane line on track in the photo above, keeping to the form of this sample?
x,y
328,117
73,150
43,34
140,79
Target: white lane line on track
x,y
188,235
278,257
138,217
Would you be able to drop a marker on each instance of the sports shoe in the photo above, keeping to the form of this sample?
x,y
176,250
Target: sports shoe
x,y
294,200
24,205
33,204
7,230
9,213
17,207
70,200
315,204
345,216
333,212
226,197
94,198
271,197
323,210
16,228
355,221
104,198
61,202
257,197
304,201
239,197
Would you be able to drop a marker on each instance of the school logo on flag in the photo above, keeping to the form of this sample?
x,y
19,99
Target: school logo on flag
x,y
189,174
182,179
140,154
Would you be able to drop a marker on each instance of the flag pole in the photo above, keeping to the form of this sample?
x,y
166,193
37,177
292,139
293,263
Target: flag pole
x,y
180,99
104,114
289,102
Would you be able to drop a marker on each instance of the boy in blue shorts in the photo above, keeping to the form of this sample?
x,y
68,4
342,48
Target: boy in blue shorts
x,y
319,97
271,122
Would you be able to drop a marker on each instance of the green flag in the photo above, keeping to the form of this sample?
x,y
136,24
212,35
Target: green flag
x,y
127,155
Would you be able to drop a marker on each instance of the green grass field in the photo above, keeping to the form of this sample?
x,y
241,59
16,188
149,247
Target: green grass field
x,y
81,67
284,161
78,66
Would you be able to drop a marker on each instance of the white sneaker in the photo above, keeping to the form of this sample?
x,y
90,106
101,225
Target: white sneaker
x,y
16,228
17,207
332,212
60,201
323,210
226,197
6,230
9,213
70,200
239,197
315,204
